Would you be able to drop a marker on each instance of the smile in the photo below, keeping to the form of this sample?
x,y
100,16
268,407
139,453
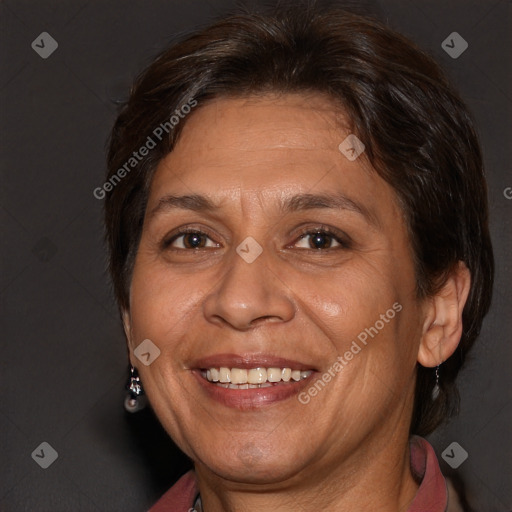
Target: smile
x,y
251,378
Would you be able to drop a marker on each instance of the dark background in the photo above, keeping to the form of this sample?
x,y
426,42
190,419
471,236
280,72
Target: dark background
x,y
63,358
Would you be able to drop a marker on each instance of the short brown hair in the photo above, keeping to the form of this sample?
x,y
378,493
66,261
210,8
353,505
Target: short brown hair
x,y
418,134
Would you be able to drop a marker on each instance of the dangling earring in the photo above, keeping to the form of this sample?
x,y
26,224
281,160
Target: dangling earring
x,y
435,391
135,399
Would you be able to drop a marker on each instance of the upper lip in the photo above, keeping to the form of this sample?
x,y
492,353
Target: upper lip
x,y
247,361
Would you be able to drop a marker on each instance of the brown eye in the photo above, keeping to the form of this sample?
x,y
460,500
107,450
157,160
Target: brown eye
x,y
318,240
194,240
191,240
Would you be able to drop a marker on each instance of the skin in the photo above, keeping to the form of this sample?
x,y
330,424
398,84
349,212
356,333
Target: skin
x,y
347,449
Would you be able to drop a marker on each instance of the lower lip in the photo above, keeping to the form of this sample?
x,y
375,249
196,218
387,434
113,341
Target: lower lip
x,y
246,399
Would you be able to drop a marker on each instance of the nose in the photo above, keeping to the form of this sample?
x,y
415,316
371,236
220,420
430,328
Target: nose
x,y
248,295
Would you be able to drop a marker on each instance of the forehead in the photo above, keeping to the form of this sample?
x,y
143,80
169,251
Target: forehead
x,y
264,145
295,121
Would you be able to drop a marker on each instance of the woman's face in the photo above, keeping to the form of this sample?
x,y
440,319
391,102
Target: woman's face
x,y
265,247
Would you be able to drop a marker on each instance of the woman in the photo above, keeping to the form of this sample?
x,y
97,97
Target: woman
x,y
297,218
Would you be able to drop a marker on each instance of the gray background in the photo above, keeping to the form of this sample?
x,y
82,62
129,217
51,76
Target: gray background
x,y
63,358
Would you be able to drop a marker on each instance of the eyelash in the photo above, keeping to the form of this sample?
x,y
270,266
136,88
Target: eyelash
x,y
342,239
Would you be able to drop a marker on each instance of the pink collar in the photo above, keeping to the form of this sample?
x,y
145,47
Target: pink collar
x,y
431,495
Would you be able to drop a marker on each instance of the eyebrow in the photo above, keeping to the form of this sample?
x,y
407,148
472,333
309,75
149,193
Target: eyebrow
x,y
193,202
296,203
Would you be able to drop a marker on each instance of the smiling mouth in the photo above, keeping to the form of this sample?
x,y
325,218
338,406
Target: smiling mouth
x,y
252,378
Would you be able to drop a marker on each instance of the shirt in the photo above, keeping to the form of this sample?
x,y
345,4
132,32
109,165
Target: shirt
x,y
430,497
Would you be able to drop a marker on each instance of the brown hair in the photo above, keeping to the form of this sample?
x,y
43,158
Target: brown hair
x,y
418,135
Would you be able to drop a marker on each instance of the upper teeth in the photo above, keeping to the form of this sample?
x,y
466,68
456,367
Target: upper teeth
x,y
254,375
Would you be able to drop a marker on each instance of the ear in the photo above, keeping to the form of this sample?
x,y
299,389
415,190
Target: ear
x,y
125,315
442,326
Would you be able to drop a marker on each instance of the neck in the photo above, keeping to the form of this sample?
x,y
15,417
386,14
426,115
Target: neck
x,y
376,476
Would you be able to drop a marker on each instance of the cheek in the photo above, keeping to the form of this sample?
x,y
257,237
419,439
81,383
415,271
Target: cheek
x,y
368,320
161,303
345,302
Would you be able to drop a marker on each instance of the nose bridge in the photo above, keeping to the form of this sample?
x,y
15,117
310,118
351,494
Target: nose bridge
x,y
249,291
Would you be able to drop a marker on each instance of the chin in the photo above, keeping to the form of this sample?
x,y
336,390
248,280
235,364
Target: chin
x,y
254,463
